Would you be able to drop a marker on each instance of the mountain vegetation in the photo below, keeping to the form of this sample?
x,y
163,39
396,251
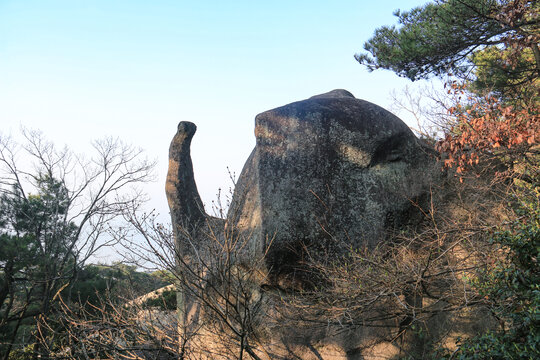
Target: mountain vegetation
x,y
475,256
488,53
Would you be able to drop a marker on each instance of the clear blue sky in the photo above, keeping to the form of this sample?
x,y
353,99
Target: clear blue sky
x,y
81,70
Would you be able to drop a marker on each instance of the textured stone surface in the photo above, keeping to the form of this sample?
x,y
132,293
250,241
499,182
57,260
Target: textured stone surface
x,y
327,173
184,200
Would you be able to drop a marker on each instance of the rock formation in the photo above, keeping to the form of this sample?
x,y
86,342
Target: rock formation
x,y
326,170
327,174
184,200
187,210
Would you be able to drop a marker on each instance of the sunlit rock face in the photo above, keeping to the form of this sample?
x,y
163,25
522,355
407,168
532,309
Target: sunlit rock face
x,y
328,173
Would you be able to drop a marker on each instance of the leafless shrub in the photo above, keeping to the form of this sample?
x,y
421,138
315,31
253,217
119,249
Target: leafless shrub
x,y
219,298
110,330
414,289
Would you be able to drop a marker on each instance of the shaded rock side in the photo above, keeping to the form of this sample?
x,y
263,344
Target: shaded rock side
x,y
187,211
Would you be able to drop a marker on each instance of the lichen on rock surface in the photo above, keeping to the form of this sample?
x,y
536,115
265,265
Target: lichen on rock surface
x,y
328,168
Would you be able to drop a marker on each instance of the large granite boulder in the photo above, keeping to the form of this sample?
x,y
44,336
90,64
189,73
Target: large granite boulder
x,y
327,173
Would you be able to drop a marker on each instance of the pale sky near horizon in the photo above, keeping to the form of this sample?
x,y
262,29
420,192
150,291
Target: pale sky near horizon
x,y
82,70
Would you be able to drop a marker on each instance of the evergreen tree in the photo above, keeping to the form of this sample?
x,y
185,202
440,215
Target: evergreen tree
x,y
446,37
37,258
55,213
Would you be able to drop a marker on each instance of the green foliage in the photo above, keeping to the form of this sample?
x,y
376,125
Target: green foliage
x,y
493,73
432,39
165,275
492,46
496,39
512,291
48,230
166,300
117,282
15,254
36,255
38,259
42,218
